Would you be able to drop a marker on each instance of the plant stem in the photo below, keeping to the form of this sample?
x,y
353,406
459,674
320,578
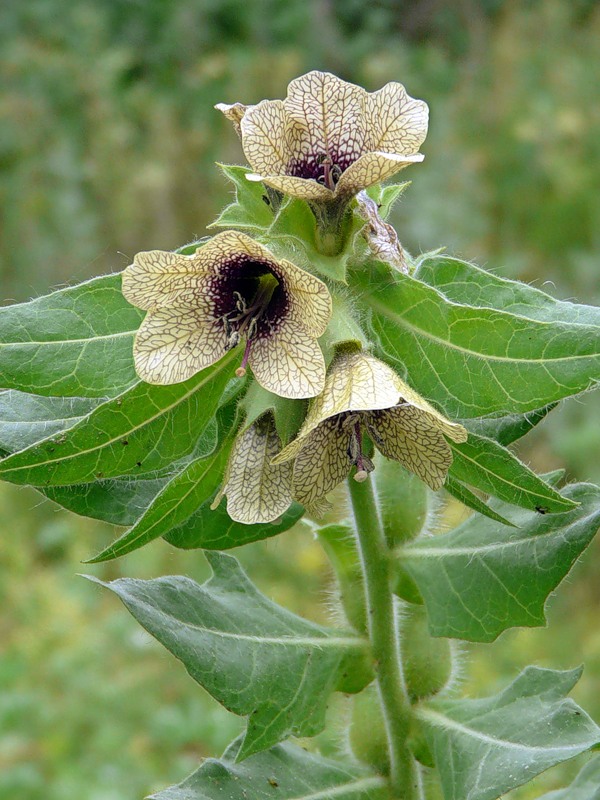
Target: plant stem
x,y
383,634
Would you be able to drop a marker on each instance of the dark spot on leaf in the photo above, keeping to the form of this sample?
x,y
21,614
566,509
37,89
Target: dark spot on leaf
x,y
138,463
266,199
541,509
273,783
99,475
124,442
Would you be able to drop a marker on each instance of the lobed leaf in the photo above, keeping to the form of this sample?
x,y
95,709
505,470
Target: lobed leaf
x,y
482,578
469,499
144,429
287,772
484,748
509,429
488,466
77,341
478,361
253,656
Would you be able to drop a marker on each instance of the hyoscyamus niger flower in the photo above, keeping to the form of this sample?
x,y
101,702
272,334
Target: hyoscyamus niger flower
x,y
329,139
363,396
232,290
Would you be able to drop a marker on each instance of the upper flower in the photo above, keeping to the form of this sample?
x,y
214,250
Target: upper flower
x,y
362,395
330,138
231,288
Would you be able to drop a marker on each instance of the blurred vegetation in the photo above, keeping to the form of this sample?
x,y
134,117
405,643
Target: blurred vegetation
x,y
108,141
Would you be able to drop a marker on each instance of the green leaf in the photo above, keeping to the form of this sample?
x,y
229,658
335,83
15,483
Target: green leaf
x,y
483,748
481,578
122,502
586,785
77,341
509,429
470,499
386,196
144,429
253,656
249,211
467,284
488,466
28,418
285,772
477,361
215,530
288,414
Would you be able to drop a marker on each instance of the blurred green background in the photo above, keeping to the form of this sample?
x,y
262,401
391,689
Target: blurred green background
x,y
108,140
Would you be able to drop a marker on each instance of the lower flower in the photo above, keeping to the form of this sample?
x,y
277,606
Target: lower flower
x,y
363,397
257,489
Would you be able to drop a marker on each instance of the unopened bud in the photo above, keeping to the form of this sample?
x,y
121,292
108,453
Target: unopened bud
x,y
240,372
361,475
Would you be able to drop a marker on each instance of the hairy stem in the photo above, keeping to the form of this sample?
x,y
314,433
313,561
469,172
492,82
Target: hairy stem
x,y
376,559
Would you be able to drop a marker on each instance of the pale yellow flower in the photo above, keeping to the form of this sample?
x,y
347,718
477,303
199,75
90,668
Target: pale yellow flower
x,y
231,289
362,395
328,138
257,490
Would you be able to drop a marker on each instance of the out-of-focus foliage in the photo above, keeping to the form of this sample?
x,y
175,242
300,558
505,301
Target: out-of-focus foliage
x,y
107,144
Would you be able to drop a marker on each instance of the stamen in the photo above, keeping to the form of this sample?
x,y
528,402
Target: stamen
x,y
241,370
363,464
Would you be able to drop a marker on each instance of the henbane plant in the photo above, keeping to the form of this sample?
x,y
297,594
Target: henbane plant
x,y
215,395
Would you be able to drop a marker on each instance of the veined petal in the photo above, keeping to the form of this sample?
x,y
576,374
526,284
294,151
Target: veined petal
x,y
230,244
398,121
288,363
309,298
172,344
303,188
404,433
322,463
256,489
265,137
332,114
355,381
234,113
453,430
372,168
159,279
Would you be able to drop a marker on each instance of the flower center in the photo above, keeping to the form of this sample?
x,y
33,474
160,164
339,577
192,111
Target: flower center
x,y
331,172
364,465
248,310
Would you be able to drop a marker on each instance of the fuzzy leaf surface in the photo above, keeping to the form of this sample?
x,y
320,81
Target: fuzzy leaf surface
x,y
490,467
215,530
469,499
483,748
482,578
77,341
506,430
253,656
586,785
286,772
462,282
28,418
478,361
144,429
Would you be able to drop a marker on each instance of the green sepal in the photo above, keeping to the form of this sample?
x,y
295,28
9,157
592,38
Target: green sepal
x,y
403,501
386,196
253,656
249,211
288,414
343,329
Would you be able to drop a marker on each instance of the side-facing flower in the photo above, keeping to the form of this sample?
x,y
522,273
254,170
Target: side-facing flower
x,y
257,490
232,288
362,395
329,138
